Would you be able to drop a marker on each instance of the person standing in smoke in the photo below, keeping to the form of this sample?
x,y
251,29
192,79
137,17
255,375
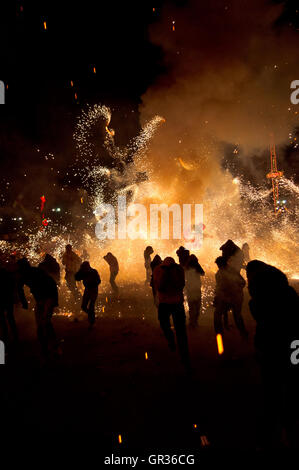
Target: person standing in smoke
x,y
169,282
51,267
147,263
114,269
193,274
44,290
72,263
183,255
233,255
228,296
274,305
156,262
91,281
245,249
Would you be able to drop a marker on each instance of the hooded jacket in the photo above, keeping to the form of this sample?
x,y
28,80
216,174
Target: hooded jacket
x,y
169,282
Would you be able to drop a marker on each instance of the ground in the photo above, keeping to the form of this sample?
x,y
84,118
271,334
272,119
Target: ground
x,y
102,382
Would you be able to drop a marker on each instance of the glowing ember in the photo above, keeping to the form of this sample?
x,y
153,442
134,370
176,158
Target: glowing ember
x,y
219,344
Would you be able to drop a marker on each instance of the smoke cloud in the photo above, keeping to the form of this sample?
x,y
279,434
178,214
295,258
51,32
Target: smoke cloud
x,y
229,69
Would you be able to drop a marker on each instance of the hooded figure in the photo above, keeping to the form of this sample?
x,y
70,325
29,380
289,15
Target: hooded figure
x,y
91,281
169,282
274,305
114,269
156,262
44,290
147,263
183,255
72,262
246,253
51,267
193,274
228,296
233,255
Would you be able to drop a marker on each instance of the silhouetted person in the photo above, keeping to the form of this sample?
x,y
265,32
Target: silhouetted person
x,y
51,267
156,262
147,263
275,307
91,281
183,255
7,298
72,263
44,290
193,274
169,282
228,296
246,253
233,255
114,270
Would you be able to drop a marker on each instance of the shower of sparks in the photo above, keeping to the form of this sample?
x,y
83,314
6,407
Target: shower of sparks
x,y
123,174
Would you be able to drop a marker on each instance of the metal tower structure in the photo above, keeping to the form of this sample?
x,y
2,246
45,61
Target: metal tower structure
x,y
274,175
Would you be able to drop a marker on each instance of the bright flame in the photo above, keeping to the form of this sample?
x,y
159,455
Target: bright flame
x,y
219,344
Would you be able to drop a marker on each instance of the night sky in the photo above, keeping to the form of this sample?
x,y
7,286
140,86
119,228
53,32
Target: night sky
x,y
38,66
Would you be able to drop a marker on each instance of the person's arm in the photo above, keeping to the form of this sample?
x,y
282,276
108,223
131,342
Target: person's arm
x,y
21,294
201,271
79,276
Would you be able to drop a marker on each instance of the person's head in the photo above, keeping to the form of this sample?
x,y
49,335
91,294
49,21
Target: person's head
x,y
264,278
229,248
221,262
68,248
157,260
180,250
85,266
168,261
48,258
245,246
148,250
108,257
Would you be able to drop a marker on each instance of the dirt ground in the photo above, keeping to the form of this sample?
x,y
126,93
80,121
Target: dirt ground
x,y
103,383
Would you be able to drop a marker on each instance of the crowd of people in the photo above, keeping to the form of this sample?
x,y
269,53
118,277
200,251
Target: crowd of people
x,y
274,305
44,281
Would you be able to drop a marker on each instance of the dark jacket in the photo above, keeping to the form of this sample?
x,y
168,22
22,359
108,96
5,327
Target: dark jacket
x,y
42,286
169,282
90,277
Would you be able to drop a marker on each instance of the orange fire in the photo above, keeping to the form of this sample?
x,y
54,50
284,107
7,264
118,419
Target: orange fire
x,y
219,344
